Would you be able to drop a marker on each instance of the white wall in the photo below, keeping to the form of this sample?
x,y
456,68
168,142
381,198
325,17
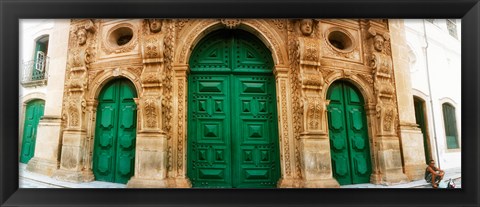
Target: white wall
x,y
443,61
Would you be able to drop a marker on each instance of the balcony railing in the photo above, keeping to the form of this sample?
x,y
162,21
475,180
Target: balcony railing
x,y
35,72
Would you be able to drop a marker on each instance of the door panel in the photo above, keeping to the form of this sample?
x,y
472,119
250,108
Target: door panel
x,y
232,121
33,113
210,134
115,132
349,141
257,136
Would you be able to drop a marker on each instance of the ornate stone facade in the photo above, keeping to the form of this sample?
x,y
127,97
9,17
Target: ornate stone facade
x,y
309,55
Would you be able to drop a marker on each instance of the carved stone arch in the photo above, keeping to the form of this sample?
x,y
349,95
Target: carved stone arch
x,y
260,28
364,87
99,81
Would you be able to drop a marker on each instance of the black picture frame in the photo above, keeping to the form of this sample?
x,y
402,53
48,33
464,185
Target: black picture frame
x,y
11,11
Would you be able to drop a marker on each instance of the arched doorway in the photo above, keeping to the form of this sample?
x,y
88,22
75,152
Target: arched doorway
x,y
232,115
419,105
348,131
115,132
33,113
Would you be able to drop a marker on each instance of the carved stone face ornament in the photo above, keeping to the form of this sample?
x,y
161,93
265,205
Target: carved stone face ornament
x,y
306,27
81,36
378,43
155,25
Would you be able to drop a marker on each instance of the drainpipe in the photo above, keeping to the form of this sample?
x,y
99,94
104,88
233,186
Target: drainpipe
x,y
430,92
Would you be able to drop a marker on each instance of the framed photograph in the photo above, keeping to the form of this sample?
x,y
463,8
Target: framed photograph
x,y
271,103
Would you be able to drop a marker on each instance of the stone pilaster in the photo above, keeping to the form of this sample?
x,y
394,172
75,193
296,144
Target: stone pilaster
x,y
177,177
389,169
151,146
286,139
314,141
411,136
74,138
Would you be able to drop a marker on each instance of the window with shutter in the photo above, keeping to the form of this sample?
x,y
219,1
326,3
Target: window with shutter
x,y
450,124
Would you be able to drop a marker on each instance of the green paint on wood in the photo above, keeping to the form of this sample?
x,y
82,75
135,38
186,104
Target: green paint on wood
x,y
232,115
115,132
348,131
33,113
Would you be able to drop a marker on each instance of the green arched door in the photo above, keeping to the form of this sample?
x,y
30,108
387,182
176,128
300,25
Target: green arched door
x,y
33,113
348,131
115,132
232,114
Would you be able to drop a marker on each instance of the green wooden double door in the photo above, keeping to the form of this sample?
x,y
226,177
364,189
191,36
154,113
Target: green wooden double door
x,y
348,131
232,114
33,113
115,132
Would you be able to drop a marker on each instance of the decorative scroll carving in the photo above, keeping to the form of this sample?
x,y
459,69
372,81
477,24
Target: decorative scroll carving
x,y
295,84
381,63
181,128
150,110
82,44
180,23
280,23
286,143
231,23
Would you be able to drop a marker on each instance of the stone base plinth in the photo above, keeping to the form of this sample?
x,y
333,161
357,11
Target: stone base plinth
x,y
415,172
394,177
179,183
322,183
42,166
289,183
147,183
74,176
413,151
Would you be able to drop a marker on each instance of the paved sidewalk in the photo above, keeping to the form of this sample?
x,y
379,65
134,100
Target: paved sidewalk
x,y
28,179
454,173
33,180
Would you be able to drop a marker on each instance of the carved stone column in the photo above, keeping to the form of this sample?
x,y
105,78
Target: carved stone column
x,y
389,163
286,139
411,135
178,145
151,146
72,161
314,140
